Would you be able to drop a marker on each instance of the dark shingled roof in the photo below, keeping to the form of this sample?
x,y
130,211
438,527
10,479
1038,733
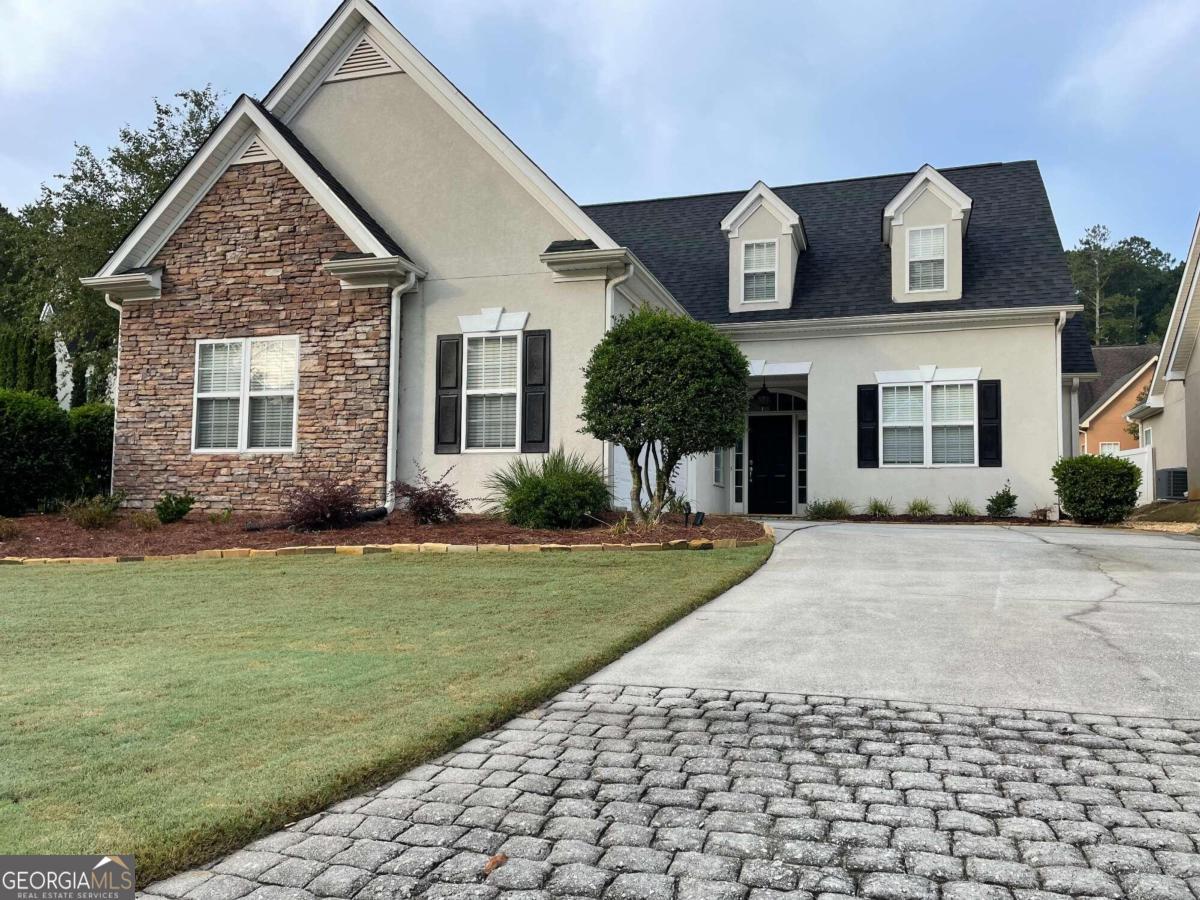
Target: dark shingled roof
x,y
1013,256
1115,365
565,246
377,230
1077,351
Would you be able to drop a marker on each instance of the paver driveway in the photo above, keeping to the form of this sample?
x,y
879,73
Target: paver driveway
x,y
718,791
1055,618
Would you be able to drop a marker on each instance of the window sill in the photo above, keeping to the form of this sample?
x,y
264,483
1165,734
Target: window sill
x,y
971,465
283,451
489,450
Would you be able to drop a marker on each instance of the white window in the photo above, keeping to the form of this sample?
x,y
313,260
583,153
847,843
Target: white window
x,y
758,271
1109,448
490,414
719,468
245,394
927,424
927,259
1147,437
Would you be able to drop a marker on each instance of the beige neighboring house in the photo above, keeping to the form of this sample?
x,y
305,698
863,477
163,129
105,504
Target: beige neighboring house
x,y
1125,372
362,274
1169,419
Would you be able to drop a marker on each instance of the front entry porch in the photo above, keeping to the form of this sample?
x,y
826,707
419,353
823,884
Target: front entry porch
x,y
771,460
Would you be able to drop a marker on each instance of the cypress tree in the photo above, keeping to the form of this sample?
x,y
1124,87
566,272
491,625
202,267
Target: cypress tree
x,y
8,360
45,375
79,386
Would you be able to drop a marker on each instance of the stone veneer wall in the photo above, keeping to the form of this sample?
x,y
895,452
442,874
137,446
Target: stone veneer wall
x,y
247,263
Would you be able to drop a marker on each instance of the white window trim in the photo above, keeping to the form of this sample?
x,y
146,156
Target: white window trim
x,y
927,426
719,467
1147,436
773,269
1114,448
476,392
243,395
908,261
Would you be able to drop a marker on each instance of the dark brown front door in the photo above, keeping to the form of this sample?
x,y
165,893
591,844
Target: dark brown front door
x,y
770,465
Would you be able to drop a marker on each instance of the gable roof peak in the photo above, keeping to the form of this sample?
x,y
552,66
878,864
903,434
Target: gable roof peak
x,y
756,198
927,178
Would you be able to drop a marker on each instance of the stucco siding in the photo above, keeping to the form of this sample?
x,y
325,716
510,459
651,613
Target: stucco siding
x,y
1022,358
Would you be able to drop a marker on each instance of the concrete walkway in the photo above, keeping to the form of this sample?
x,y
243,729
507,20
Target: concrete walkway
x,y
1048,618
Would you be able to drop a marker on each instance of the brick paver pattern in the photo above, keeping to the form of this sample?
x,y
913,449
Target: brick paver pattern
x,y
638,793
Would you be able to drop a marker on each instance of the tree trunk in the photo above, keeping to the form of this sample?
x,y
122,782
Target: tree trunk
x,y
662,483
634,454
1096,265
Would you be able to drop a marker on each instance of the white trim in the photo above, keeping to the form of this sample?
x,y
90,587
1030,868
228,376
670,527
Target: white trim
x,y
242,124
719,476
255,151
774,270
390,66
492,320
289,96
594,265
927,425
486,392
128,286
1134,376
244,394
1189,327
908,260
1146,435
926,178
756,198
760,367
1171,338
372,271
928,374
1114,448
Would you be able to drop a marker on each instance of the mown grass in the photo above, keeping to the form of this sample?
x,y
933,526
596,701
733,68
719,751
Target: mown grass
x,y
178,710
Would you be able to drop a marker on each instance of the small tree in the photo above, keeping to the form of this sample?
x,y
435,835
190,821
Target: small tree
x,y
662,387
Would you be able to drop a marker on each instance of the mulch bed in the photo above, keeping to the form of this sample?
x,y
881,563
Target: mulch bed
x,y
54,536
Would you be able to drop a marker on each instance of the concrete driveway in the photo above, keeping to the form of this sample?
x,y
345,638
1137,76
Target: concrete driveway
x,y
1050,618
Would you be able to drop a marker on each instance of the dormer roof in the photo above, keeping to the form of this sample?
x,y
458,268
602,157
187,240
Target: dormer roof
x,y
927,178
761,196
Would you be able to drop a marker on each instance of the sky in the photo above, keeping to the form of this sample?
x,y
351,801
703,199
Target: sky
x,y
626,99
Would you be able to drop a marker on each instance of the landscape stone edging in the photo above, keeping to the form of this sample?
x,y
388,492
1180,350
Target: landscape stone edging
x,y
394,549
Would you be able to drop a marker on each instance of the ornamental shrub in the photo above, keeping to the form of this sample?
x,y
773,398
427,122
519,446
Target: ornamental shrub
x,y
173,507
562,490
91,446
326,503
34,464
1003,503
1096,489
428,501
962,507
880,508
95,512
920,508
833,508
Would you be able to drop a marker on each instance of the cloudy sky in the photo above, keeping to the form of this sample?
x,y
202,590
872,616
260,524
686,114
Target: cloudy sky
x,y
623,99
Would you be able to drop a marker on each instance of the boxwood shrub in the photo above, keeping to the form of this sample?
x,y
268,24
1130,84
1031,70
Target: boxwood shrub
x,y
34,463
1096,489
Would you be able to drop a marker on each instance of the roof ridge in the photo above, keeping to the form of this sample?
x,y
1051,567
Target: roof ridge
x,y
784,187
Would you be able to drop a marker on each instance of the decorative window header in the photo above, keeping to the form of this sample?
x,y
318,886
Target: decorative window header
x,y
493,319
927,373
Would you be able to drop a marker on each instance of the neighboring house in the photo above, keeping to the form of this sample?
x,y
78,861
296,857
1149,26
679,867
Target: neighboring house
x,y
1125,372
1169,419
64,368
362,274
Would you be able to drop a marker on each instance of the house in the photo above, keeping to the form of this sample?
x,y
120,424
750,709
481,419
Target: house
x,y
1169,418
1125,373
64,370
361,274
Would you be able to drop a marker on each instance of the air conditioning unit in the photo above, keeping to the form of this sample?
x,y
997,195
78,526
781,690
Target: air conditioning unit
x,y
1171,484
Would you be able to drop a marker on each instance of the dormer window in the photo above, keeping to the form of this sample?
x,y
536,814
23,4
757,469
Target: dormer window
x,y
927,259
759,271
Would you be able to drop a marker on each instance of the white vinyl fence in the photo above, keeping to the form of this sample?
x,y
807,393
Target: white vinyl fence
x,y
1143,458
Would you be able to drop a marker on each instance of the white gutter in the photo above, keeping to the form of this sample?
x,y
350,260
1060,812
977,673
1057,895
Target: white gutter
x,y
1058,386
394,386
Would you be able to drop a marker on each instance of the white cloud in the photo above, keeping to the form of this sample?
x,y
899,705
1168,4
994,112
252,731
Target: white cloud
x,y
1113,75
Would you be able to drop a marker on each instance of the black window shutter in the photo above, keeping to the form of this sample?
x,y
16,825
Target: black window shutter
x,y
535,409
447,416
989,423
868,426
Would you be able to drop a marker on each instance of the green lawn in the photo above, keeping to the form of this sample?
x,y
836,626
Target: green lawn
x,y
178,710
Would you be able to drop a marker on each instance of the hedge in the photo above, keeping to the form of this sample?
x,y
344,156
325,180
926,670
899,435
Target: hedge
x,y
34,451
91,447
1097,490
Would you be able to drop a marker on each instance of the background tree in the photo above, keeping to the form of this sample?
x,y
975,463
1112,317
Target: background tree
x,y
72,228
1127,286
663,387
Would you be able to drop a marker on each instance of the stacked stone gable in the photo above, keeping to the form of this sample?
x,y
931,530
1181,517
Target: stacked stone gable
x,y
247,263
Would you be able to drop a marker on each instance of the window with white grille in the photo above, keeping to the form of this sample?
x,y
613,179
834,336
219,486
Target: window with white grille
x,y
245,394
927,259
928,424
491,385
758,270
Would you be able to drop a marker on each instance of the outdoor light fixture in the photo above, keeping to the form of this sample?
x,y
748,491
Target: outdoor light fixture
x,y
762,397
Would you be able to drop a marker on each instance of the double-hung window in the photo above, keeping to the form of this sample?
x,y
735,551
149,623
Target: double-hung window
x,y
927,259
758,270
931,424
491,386
245,394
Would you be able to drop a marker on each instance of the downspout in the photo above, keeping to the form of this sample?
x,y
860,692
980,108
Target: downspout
x,y
398,291
608,464
1058,330
112,457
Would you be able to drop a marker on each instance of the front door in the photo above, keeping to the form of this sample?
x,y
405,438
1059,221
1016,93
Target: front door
x,y
771,467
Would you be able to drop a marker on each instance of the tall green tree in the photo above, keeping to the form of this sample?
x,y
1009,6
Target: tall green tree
x,y
76,223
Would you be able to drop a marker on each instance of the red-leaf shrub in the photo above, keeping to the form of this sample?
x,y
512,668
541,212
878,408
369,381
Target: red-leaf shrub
x,y
324,504
428,501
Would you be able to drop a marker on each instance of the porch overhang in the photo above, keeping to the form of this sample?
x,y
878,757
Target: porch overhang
x,y
760,368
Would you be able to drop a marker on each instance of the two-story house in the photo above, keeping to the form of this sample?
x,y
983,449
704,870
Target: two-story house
x,y
361,274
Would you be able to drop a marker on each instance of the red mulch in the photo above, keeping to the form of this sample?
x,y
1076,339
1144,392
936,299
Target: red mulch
x,y
54,536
